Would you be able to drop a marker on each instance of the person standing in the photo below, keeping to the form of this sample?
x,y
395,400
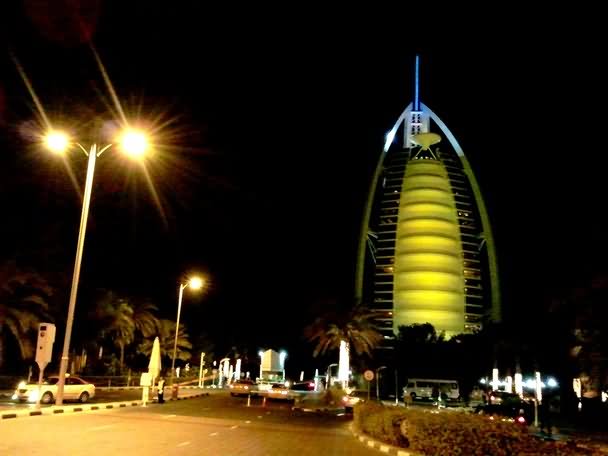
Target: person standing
x,y
161,390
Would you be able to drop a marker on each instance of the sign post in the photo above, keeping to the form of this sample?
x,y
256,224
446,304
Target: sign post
x,y
44,351
369,376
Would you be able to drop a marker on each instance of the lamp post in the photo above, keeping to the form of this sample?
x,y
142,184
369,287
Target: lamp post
x,y
328,374
261,355
195,283
282,357
134,143
378,382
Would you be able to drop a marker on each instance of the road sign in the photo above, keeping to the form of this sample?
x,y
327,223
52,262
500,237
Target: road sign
x,y
368,375
44,346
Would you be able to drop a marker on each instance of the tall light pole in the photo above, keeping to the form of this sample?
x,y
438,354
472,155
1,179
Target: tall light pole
x,y
135,144
282,357
378,382
195,283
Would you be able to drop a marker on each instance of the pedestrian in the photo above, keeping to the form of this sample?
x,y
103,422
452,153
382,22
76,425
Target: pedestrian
x,y
161,390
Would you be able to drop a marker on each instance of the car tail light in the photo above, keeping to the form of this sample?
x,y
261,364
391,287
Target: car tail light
x,y
521,419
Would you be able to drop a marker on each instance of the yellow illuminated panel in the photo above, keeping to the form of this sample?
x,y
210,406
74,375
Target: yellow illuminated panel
x,y
430,262
428,274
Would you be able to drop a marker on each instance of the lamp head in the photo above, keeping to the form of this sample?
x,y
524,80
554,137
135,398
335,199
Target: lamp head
x,y
134,143
56,141
196,283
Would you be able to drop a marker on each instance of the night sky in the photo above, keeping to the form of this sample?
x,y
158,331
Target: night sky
x,y
273,122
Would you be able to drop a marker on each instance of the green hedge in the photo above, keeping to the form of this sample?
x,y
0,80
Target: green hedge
x,y
453,433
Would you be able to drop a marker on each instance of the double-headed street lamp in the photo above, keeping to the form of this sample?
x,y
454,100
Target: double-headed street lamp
x,y
134,143
195,283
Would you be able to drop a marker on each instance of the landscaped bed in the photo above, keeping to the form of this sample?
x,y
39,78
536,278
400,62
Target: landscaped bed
x,y
430,433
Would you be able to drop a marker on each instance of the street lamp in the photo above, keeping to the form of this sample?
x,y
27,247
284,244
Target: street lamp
x,y
196,283
378,382
328,374
59,142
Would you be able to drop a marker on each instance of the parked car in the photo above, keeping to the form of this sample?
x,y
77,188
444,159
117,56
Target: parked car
x,y
74,388
243,388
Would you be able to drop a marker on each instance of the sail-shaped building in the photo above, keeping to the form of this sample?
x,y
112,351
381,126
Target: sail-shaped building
x,y
426,252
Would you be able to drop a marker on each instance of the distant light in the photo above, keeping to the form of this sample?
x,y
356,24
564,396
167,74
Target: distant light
x,y
551,382
134,143
57,141
482,381
521,419
260,353
604,396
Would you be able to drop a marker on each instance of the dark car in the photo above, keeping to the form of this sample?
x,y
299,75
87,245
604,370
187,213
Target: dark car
x,y
510,408
304,386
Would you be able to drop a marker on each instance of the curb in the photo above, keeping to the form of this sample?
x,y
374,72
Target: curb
x,y
381,446
60,410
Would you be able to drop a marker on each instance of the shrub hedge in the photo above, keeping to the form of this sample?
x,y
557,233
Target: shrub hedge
x,y
452,433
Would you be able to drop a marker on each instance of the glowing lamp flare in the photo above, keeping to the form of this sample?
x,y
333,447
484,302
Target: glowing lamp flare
x,y
134,143
57,141
196,283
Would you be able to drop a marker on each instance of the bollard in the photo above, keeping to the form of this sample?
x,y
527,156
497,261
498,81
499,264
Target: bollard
x,y
249,400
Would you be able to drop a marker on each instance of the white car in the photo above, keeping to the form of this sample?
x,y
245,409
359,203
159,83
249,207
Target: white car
x,y
75,388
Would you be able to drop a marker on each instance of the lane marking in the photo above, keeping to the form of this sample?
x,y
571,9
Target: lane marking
x,y
213,434
169,416
233,427
247,422
99,428
259,416
183,443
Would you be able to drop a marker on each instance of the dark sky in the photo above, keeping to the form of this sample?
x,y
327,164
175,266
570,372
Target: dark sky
x,y
275,120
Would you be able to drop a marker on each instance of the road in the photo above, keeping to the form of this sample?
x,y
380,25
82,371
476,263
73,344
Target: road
x,y
217,424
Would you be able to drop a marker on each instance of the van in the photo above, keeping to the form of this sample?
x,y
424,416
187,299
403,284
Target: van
x,y
422,388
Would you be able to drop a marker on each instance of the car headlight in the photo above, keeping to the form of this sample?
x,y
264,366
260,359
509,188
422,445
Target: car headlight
x,y
15,397
33,396
21,385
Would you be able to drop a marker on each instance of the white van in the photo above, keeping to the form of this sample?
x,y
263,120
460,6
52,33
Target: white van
x,y
422,388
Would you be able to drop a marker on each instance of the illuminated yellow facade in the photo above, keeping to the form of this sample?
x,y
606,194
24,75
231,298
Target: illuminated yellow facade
x,y
428,274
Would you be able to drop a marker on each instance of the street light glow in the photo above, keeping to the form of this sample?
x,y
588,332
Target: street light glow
x,y
56,141
134,143
196,283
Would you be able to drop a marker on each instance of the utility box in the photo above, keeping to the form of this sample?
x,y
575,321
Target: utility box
x,y
44,346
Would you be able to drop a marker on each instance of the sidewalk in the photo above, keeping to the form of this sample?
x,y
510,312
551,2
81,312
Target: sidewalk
x,y
72,408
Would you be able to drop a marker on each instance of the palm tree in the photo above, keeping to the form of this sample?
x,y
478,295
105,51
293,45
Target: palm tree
x,y
117,321
354,327
145,319
166,336
23,304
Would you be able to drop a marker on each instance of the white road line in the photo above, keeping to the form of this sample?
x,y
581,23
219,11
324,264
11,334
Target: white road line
x,y
259,416
248,422
213,434
183,443
98,428
233,427
169,416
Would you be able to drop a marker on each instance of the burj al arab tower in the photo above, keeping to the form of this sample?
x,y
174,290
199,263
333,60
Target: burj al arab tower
x,y
426,252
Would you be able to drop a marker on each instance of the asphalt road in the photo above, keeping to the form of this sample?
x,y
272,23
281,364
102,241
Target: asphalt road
x,y
217,424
